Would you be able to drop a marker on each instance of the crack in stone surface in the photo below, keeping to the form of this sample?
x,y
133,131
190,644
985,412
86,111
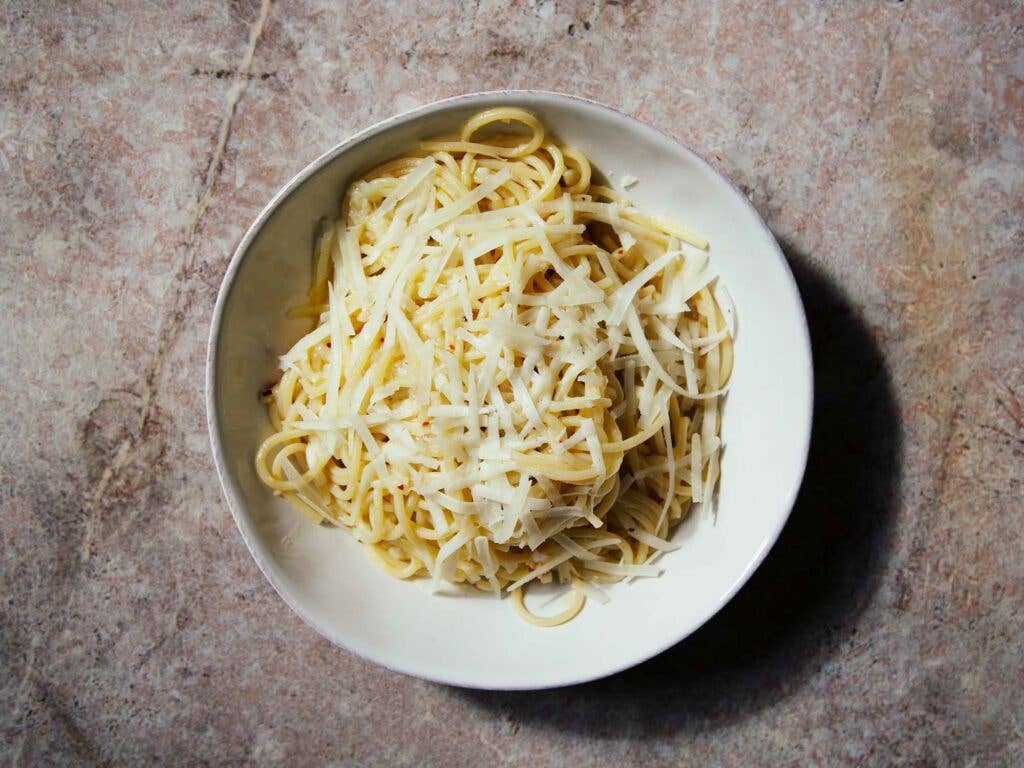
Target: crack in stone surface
x,y
172,318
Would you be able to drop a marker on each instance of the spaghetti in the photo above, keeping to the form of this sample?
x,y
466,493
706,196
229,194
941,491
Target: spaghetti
x,y
515,375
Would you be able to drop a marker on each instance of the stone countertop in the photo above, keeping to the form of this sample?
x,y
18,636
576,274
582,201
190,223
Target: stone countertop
x,y
881,141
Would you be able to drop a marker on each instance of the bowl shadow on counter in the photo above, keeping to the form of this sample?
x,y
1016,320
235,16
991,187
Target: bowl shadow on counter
x,y
800,609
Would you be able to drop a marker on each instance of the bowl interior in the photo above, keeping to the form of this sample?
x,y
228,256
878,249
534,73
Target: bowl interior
x,y
472,639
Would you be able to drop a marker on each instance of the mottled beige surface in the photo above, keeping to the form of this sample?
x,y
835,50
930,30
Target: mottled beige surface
x,y
881,141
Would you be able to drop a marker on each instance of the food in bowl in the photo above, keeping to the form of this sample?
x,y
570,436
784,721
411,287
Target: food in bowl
x,y
513,376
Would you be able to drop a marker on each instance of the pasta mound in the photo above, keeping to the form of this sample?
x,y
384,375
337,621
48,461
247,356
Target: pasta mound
x,y
515,375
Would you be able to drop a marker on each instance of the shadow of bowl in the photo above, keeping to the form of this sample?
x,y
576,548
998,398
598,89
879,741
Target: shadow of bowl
x,y
802,605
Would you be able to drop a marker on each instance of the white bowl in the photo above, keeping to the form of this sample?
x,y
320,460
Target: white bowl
x,y
479,641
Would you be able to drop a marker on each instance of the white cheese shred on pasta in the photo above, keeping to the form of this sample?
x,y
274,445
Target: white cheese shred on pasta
x,y
514,374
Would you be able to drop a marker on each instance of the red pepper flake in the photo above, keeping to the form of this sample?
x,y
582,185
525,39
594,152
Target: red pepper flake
x,y
401,486
426,423
451,347
620,251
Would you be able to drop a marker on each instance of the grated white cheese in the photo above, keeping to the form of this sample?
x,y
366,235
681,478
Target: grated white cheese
x,y
483,366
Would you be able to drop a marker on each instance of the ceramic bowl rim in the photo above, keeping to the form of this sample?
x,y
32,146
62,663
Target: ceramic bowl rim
x,y
234,496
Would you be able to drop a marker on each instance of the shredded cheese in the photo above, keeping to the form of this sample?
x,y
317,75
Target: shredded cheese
x,y
514,376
